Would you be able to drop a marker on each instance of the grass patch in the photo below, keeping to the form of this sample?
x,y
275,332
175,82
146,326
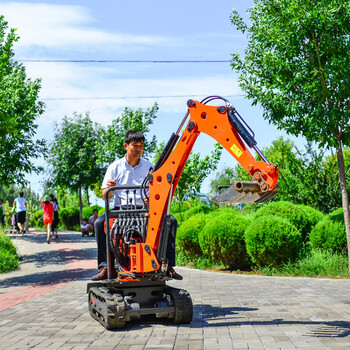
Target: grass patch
x,y
316,263
8,254
201,263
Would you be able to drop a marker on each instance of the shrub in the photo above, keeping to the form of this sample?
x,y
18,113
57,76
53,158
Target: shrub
x,y
272,240
178,217
177,207
222,238
101,211
87,212
329,233
8,254
202,208
187,237
38,218
313,215
289,211
69,217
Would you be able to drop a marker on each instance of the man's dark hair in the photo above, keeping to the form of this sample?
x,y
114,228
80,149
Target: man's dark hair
x,y
95,210
21,194
134,135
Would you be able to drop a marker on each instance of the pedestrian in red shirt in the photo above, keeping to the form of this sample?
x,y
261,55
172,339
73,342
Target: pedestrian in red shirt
x,y
48,215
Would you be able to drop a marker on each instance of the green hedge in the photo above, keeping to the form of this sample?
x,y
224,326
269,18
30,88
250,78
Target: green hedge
x,y
8,254
87,212
272,240
187,236
176,207
294,213
222,239
202,208
313,216
69,217
329,233
38,218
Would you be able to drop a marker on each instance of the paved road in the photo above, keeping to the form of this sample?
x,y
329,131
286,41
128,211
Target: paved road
x,y
44,306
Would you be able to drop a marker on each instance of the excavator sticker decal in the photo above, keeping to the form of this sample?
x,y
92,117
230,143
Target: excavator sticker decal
x,y
236,150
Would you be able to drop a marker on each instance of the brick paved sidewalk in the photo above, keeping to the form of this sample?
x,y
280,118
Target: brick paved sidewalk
x,y
44,267
230,311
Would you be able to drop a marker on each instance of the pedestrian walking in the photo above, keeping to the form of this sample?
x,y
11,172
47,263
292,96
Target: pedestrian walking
x,y
56,208
21,207
47,216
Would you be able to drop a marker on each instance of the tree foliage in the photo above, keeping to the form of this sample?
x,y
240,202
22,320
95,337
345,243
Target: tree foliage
x,y
306,176
73,154
297,66
195,171
19,108
9,193
112,146
129,120
224,177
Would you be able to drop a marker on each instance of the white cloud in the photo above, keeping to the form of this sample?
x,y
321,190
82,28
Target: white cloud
x,y
54,26
104,97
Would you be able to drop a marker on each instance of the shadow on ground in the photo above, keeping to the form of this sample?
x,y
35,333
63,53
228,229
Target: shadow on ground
x,y
215,317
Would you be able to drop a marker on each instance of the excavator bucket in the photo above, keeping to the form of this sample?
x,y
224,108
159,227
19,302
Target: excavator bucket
x,y
245,192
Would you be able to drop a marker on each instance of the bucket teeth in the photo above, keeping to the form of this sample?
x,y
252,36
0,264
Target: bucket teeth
x,y
245,192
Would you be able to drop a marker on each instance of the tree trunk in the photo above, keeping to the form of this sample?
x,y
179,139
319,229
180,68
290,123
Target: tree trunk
x,y
80,205
87,196
344,195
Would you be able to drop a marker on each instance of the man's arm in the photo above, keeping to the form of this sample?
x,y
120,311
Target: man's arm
x,y
110,183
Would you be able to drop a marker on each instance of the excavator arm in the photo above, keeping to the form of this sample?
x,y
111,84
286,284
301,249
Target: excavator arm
x,y
223,124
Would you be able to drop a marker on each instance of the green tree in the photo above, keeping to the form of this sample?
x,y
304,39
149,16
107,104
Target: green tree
x,y
224,177
129,120
73,154
195,171
10,192
297,66
113,143
19,107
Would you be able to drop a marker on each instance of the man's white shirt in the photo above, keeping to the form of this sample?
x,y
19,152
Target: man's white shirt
x,y
126,175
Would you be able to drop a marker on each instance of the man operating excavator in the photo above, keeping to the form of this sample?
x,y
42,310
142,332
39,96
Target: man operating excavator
x,y
129,170
143,239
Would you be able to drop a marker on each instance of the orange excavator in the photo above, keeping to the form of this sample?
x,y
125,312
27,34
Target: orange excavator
x,y
139,239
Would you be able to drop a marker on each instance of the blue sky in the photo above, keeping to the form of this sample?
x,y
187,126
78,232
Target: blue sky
x,y
135,30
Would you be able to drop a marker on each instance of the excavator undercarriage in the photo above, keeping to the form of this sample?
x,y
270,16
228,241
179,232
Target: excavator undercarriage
x,y
138,239
113,303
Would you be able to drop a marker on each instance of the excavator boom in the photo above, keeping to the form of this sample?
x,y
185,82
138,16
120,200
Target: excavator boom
x,y
224,124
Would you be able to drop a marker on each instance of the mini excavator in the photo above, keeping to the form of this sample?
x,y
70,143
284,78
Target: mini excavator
x,y
139,238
